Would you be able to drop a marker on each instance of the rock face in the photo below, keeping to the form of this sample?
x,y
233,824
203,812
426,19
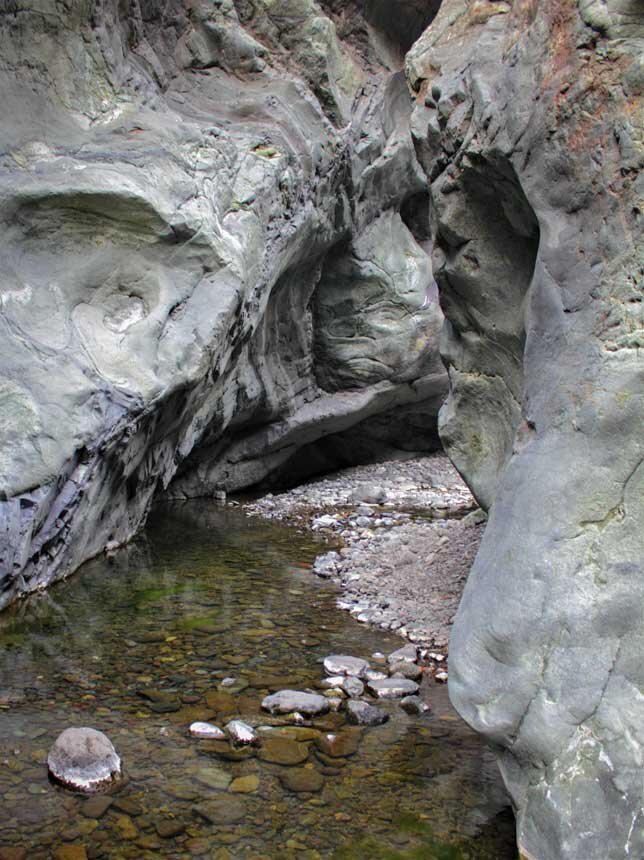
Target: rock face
x,y
182,192
84,760
528,124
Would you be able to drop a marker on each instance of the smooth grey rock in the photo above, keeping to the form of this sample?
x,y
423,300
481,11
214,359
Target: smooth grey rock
x,y
353,687
343,664
406,654
241,733
363,714
85,760
206,730
405,669
392,688
159,227
287,701
535,219
414,705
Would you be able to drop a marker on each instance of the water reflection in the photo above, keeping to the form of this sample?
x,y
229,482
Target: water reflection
x,y
138,646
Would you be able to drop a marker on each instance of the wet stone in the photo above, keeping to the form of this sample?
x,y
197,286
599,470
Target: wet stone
x,y
169,828
241,733
406,670
70,852
302,779
287,701
227,809
342,664
85,760
12,853
280,750
340,744
414,705
213,777
95,807
393,688
244,784
406,654
363,714
207,731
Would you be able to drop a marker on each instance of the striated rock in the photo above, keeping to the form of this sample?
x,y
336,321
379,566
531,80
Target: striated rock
x,y
528,124
85,760
169,204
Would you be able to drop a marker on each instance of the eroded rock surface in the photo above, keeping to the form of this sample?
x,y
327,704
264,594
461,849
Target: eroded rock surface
x,y
173,185
528,124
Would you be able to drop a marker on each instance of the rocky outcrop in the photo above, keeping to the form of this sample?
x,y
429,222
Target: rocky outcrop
x,y
175,181
528,124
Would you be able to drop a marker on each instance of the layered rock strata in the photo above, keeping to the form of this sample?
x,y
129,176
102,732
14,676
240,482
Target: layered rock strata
x,y
176,181
529,126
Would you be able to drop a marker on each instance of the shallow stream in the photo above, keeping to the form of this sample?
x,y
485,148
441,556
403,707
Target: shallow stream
x,y
138,646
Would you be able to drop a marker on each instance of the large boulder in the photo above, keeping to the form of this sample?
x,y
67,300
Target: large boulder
x,y
528,124
84,760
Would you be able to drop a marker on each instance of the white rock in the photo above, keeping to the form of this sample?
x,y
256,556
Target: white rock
x,y
241,733
84,759
287,701
393,688
207,730
342,664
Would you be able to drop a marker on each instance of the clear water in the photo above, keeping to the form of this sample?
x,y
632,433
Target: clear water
x,y
207,594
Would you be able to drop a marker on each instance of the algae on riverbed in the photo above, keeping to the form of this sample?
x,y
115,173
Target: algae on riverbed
x,y
139,647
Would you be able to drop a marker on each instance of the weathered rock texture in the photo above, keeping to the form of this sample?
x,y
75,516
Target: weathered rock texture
x,y
529,124
176,178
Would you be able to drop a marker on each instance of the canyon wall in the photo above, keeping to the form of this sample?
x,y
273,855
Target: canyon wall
x,y
184,188
529,126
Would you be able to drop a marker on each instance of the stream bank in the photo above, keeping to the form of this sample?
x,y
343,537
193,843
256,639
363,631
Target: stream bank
x,y
403,536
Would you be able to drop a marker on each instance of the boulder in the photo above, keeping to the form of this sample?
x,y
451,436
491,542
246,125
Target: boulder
x,y
84,760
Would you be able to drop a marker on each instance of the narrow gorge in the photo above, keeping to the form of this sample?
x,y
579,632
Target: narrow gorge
x,y
249,243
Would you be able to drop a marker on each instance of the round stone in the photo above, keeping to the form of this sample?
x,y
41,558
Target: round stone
x,y
207,730
302,779
280,750
343,664
287,701
85,760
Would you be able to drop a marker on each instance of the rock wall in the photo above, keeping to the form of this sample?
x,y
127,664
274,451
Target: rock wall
x,y
529,126
175,177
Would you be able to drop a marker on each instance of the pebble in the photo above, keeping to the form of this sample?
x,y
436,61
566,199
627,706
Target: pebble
x,y
227,809
241,733
302,779
406,670
406,654
393,688
207,730
363,714
280,750
342,664
340,744
168,828
94,807
288,701
244,784
414,705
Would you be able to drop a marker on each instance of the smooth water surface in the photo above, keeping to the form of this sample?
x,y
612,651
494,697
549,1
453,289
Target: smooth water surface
x,y
138,647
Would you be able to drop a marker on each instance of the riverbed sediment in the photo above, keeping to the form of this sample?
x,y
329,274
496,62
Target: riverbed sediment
x,y
402,537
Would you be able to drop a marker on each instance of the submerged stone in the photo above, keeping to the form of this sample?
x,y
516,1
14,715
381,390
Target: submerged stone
x,y
85,760
302,779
